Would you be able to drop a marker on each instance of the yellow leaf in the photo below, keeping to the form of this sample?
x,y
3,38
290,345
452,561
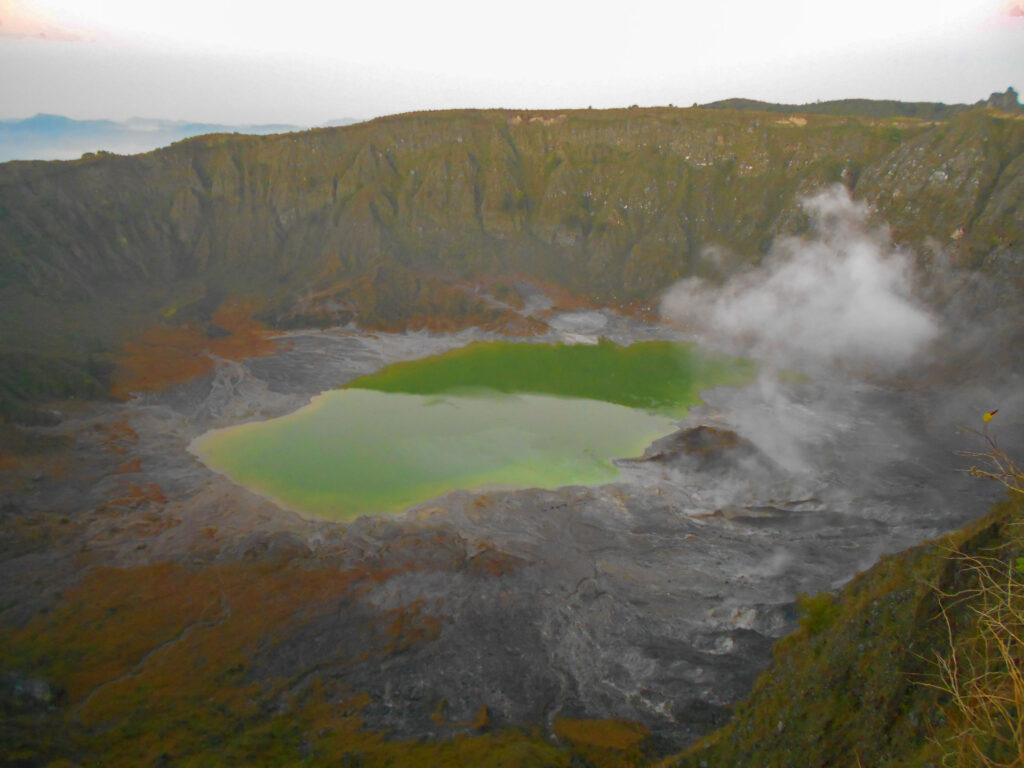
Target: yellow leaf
x,y
988,416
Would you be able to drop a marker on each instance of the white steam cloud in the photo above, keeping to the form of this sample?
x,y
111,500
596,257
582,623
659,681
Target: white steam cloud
x,y
840,297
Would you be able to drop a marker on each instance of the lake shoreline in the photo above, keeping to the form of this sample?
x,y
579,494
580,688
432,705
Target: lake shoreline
x,y
653,599
415,430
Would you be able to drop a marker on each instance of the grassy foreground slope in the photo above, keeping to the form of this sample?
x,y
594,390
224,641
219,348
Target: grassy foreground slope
x,y
860,683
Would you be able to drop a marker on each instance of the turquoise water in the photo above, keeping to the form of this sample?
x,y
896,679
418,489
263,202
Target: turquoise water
x,y
486,416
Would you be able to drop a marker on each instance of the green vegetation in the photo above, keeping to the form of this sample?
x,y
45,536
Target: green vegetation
x,y
876,108
858,685
982,672
818,612
29,379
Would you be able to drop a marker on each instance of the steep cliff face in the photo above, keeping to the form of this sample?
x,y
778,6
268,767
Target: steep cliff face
x,y
379,222
960,184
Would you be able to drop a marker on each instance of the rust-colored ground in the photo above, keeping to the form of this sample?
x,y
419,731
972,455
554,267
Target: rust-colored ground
x,y
26,457
607,742
167,355
170,355
160,664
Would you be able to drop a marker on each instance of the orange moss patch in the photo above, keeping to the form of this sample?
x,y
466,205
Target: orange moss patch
x,y
512,324
124,628
13,474
562,299
342,741
395,299
706,441
620,735
120,436
491,562
154,659
437,717
135,465
441,323
605,743
157,664
137,495
645,310
607,734
505,292
165,356
481,720
410,625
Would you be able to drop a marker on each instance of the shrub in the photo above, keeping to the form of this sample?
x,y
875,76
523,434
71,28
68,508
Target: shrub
x,y
818,612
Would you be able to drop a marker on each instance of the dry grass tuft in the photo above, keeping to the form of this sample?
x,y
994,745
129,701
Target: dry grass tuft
x,y
983,672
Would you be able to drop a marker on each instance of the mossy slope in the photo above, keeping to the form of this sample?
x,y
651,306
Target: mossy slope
x,y
381,221
851,686
400,222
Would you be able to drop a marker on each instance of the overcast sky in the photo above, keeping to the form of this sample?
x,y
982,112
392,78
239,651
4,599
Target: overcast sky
x,y
306,61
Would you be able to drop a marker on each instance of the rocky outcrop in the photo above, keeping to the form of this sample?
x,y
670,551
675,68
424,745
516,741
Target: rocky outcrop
x,y
1007,101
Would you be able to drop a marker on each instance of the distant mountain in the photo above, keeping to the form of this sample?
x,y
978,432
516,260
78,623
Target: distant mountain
x,y
876,108
54,137
341,121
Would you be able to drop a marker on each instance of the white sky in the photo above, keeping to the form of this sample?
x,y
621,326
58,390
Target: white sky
x,y
307,61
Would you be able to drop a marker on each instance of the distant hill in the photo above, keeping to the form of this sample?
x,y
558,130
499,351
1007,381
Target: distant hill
x,y
54,137
341,121
877,108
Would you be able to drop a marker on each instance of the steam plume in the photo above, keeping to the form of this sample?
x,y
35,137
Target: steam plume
x,y
842,296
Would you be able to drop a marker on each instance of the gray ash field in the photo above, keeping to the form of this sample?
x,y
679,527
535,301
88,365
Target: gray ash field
x,y
654,599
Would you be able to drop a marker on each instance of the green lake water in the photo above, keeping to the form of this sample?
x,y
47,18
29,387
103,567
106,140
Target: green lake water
x,y
490,415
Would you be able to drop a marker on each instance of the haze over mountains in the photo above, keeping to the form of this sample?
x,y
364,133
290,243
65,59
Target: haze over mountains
x,y
54,137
